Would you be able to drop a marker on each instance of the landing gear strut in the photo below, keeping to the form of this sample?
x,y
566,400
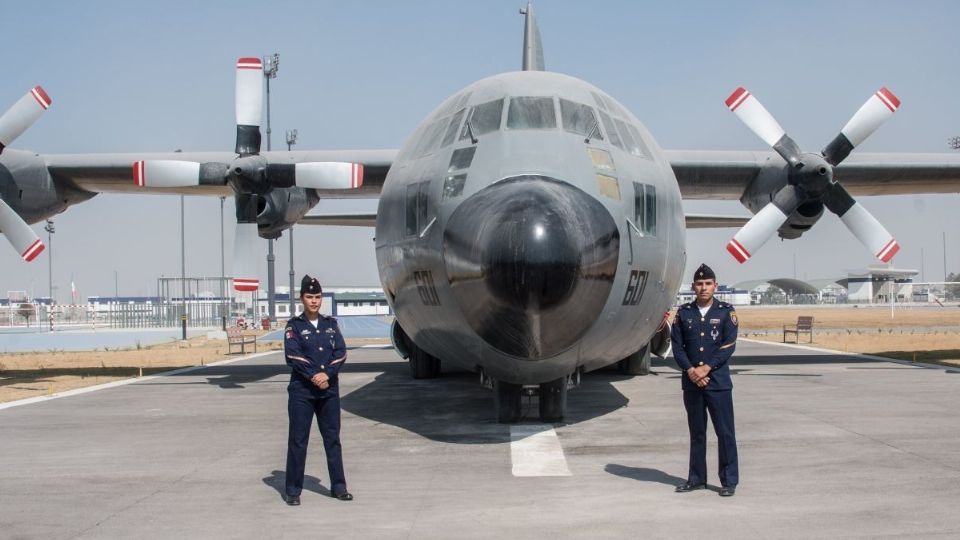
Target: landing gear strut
x,y
422,364
506,401
637,363
553,400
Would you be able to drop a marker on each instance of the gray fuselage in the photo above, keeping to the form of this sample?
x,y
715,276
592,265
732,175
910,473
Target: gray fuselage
x,y
554,242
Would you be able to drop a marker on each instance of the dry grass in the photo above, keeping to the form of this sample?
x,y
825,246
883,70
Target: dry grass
x,y
754,318
24,375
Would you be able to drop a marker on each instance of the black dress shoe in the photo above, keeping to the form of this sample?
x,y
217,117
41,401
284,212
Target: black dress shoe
x,y
345,496
292,500
687,486
727,491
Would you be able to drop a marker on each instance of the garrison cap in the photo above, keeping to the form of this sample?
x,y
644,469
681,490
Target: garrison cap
x,y
310,285
704,272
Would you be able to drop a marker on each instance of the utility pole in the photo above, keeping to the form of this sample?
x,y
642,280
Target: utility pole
x,y
291,140
270,66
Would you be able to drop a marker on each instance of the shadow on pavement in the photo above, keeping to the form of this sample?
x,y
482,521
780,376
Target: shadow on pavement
x,y
455,408
277,480
644,474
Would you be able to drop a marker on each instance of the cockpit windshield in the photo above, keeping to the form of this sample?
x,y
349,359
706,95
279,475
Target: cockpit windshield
x,y
531,113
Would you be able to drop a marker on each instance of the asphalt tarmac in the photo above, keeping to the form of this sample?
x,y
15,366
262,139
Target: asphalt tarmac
x,y
830,446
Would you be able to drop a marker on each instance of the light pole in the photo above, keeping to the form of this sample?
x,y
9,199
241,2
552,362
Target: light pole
x,y
291,140
270,66
183,269
50,230
223,273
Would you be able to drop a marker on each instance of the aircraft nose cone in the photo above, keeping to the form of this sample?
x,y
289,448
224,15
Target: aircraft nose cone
x,y
531,261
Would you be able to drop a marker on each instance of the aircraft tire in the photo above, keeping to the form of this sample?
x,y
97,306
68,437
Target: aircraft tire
x,y
422,364
637,363
506,401
553,400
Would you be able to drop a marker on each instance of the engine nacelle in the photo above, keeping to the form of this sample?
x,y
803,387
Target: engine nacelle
x,y
760,192
27,187
280,208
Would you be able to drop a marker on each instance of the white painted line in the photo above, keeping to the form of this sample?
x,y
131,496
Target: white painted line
x,y
853,354
535,451
77,391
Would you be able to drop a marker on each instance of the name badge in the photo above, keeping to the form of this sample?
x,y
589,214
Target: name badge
x,y
714,321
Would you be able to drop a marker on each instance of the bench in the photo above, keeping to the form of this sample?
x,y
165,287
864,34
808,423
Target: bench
x,y
804,326
238,336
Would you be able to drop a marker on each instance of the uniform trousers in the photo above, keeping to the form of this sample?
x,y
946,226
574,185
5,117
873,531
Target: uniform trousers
x,y
720,405
302,405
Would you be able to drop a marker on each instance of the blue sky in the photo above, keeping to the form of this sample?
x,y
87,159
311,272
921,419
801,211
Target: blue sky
x,y
147,76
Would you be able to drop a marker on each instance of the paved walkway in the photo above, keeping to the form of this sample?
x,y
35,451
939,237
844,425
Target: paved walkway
x,y
830,446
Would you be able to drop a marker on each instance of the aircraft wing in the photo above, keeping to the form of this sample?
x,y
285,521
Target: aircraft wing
x,y
369,219
723,175
113,173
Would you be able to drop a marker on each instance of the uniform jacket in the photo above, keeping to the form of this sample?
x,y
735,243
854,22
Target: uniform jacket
x,y
310,350
710,339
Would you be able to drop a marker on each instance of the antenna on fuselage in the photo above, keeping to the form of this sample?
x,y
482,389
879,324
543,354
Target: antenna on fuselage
x,y
532,46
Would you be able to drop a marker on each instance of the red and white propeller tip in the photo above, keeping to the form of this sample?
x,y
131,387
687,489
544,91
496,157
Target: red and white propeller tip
x,y
22,115
249,91
166,173
19,234
244,258
752,113
756,232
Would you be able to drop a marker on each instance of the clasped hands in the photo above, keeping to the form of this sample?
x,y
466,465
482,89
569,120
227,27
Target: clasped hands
x,y
321,381
699,375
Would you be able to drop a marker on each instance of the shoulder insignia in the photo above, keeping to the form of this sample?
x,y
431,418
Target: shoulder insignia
x,y
733,317
289,333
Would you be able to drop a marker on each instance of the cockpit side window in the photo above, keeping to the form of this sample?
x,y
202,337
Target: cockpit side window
x,y
452,129
611,130
579,118
531,113
639,148
483,118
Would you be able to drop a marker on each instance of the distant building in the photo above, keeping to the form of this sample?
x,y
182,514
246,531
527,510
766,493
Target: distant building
x,y
725,293
880,285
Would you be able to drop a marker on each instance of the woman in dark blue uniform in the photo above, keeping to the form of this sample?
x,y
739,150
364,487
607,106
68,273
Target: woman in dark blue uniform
x,y
704,336
314,348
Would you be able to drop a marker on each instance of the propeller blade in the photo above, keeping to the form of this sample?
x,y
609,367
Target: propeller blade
x,y
321,175
22,115
20,235
166,173
763,225
752,113
249,105
864,122
174,173
861,223
244,260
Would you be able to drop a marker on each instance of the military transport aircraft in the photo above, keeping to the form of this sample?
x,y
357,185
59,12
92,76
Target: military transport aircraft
x,y
530,228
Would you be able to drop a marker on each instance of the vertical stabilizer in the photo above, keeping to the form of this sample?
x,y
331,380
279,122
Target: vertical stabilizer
x,y
532,46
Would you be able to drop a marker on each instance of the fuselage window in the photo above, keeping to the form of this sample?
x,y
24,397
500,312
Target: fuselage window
x,y
416,207
599,100
483,118
531,113
462,158
451,133
611,130
579,118
608,186
453,185
628,141
601,160
645,208
430,140
640,148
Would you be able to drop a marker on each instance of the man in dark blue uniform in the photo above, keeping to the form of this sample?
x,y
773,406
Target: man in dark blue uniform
x,y
314,348
704,336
